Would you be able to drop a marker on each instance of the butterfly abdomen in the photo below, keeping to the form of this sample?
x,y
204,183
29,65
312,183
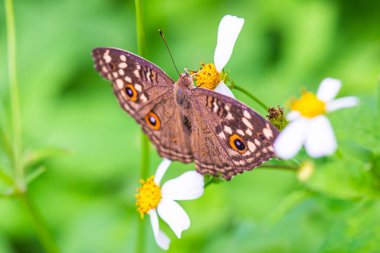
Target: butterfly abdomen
x,y
187,124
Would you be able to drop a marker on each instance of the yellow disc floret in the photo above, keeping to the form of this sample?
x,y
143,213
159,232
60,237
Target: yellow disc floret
x,y
148,196
207,76
309,105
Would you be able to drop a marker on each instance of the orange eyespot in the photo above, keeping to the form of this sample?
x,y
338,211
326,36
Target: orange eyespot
x,y
153,121
130,92
237,143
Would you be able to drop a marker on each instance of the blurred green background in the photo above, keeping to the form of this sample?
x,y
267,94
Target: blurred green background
x,y
87,195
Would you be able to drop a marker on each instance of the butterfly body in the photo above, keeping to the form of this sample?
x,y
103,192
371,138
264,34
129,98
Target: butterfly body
x,y
188,124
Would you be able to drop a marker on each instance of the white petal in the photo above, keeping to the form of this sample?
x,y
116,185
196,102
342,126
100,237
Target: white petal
x,y
154,221
229,29
293,115
223,89
328,89
342,103
185,187
161,169
174,215
290,140
162,240
320,140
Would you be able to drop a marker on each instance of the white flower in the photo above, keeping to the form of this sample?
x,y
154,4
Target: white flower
x,y
160,201
210,75
308,124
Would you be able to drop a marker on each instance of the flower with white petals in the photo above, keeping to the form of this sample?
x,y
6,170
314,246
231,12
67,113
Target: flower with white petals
x,y
308,124
154,200
210,75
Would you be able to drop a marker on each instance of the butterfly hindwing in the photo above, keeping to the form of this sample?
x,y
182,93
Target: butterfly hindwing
x,y
240,137
161,124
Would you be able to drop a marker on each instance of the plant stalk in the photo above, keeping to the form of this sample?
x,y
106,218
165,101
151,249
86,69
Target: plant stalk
x,y
254,98
14,95
16,152
39,224
145,162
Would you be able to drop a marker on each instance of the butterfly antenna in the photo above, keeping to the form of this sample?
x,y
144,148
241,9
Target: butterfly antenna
x,y
167,47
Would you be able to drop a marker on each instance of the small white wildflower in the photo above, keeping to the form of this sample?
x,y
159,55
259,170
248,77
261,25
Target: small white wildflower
x,y
161,201
210,75
308,124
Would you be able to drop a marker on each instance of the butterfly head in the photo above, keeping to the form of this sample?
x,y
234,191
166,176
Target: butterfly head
x,y
185,80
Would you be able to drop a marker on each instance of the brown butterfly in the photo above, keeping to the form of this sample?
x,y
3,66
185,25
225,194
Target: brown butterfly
x,y
222,135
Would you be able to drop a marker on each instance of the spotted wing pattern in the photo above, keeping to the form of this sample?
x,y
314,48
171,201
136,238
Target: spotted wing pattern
x,y
146,93
137,83
229,137
223,136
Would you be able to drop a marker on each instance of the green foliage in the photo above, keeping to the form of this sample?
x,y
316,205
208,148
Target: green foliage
x,y
81,151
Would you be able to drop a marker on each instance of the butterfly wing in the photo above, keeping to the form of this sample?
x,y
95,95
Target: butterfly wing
x,y
229,137
137,83
146,93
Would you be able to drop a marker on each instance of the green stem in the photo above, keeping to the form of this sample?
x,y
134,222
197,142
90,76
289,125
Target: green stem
x,y
378,105
14,94
295,161
17,159
278,167
145,161
140,29
213,180
144,170
140,242
41,228
258,101
5,144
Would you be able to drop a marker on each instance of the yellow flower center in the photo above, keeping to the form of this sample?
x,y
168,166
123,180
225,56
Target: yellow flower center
x,y
148,196
207,76
309,105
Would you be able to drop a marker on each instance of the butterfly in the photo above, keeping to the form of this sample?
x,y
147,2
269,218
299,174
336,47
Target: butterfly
x,y
221,135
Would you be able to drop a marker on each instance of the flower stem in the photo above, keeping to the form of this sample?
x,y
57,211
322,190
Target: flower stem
x,y
14,95
278,167
144,170
42,231
258,101
141,51
16,150
140,29
378,105
254,98
140,242
6,145
212,180
145,160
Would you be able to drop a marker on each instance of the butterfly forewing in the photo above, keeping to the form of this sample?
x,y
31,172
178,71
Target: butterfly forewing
x,y
137,83
146,92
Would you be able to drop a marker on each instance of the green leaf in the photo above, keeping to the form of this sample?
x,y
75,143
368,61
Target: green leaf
x,y
35,174
39,155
